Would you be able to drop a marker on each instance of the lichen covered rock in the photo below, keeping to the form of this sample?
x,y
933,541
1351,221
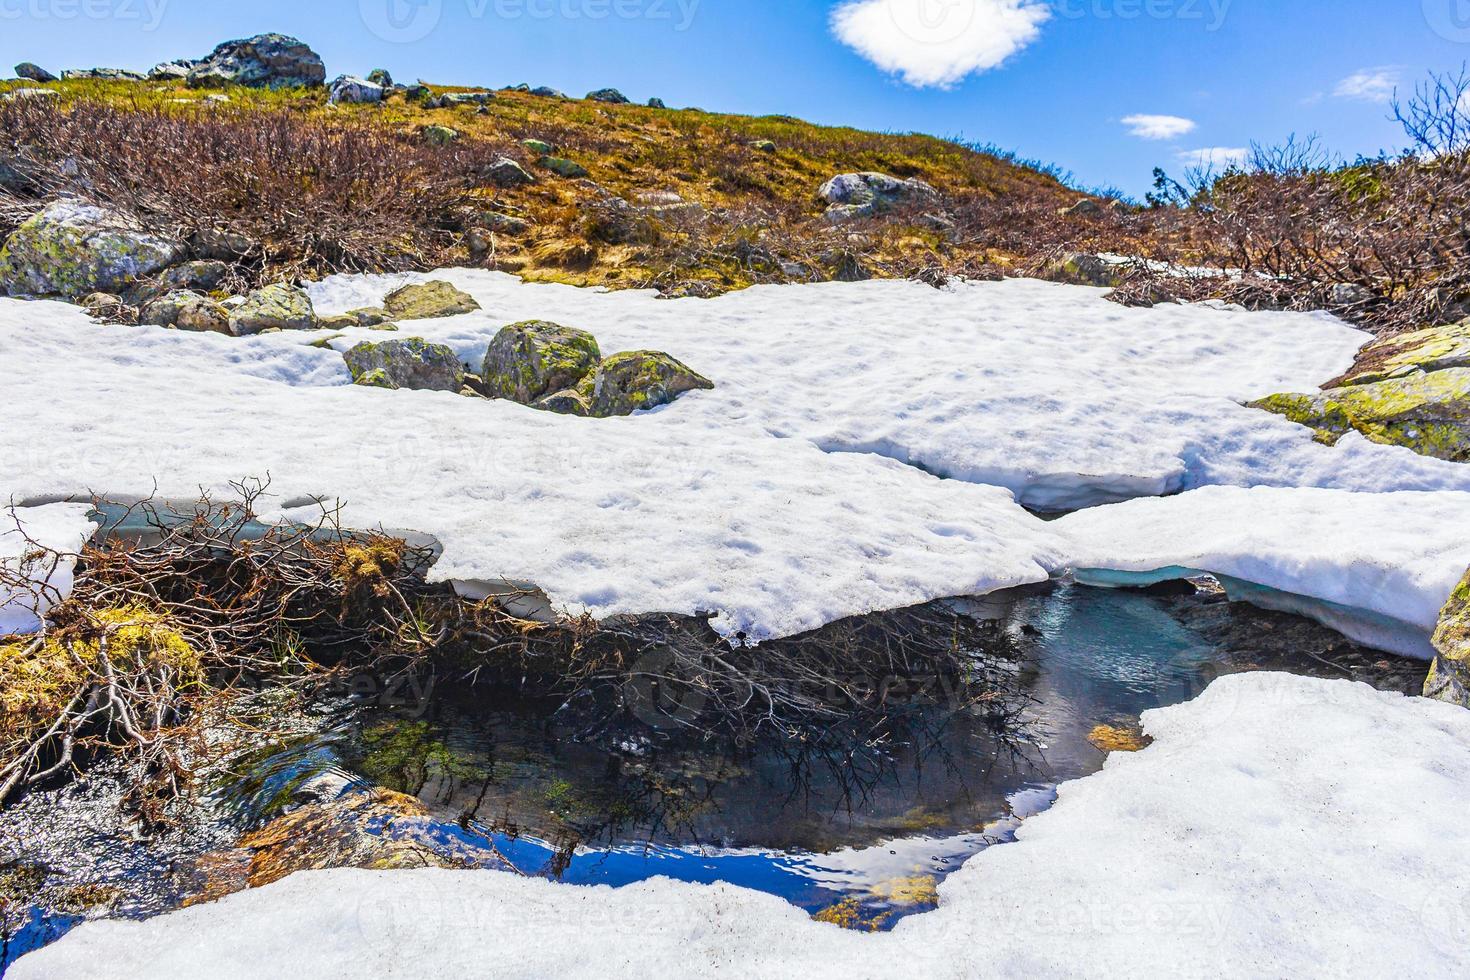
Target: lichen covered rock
x,y
409,363
1419,352
429,300
1449,679
528,361
265,61
563,167
1428,413
277,307
862,195
1084,269
186,310
71,249
634,381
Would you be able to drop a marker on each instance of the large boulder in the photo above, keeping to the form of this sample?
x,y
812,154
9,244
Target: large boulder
x,y
862,195
1449,678
609,95
264,61
71,249
186,310
637,380
408,363
1428,413
528,361
277,307
354,90
428,301
1409,354
33,72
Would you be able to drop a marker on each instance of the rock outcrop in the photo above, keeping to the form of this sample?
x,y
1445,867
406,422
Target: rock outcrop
x,y
429,300
864,195
102,75
353,90
609,95
71,249
408,363
277,307
1449,678
33,72
264,61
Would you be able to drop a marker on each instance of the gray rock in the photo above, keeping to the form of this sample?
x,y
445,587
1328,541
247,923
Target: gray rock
x,y
369,316
451,99
763,146
19,174
539,147
33,73
277,307
528,361
353,90
186,310
103,75
635,381
381,78
104,306
408,363
505,172
440,135
71,249
172,71
264,61
1345,294
566,402
548,93
563,167
220,243
609,95
1083,269
427,301
1449,678
1085,208
862,195
656,104
29,93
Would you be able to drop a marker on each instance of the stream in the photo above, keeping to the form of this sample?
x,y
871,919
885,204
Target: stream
x,y
496,781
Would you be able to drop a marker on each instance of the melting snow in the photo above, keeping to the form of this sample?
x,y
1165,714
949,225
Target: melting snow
x,y
38,545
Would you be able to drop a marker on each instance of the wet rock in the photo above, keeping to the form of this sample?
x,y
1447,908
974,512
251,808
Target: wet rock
x,y
353,90
563,167
186,310
71,249
633,381
529,360
277,307
409,363
1083,269
862,195
1118,738
33,73
505,172
429,300
1428,413
609,95
265,61
1449,678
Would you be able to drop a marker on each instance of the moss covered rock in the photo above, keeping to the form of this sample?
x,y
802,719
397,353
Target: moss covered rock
x,y
1428,413
440,135
563,167
186,310
1084,269
861,195
633,381
277,307
71,249
408,363
426,301
1406,355
529,360
1449,679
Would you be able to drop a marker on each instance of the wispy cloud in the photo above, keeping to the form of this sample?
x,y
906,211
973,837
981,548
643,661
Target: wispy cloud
x,y
936,43
1158,127
1369,85
1214,157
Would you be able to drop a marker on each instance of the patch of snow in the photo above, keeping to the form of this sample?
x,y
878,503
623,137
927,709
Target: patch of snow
x,y
38,545
1376,567
1278,826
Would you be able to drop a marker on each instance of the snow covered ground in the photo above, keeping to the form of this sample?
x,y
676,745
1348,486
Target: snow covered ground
x,y
1279,826
38,545
802,489
1379,566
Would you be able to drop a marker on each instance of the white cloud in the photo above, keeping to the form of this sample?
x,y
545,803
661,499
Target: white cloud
x,y
1158,127
1215,158
1369,85
938,42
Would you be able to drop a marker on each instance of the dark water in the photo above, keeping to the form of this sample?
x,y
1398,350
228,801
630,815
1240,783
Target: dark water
x,y
868,836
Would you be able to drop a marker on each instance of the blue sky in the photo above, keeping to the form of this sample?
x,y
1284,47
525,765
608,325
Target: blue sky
x,y
1071,82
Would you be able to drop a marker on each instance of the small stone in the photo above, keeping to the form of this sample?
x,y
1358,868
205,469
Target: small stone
x,y
440,135
429,300
369,316
412,363
764,146
276,307
505,172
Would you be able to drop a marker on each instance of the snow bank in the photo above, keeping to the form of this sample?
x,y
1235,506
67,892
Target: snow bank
x,y
800,490
27,534
1377,567
1279,826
